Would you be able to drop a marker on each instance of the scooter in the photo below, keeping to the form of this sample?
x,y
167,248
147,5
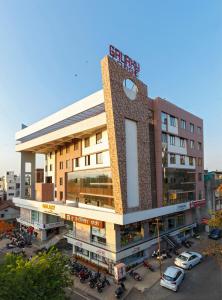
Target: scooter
x,y
120,290
135,275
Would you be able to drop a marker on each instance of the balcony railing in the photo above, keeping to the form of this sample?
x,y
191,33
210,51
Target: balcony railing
x,y
38,225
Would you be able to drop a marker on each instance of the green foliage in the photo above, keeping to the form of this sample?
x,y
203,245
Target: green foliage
x,y
216,219
43,277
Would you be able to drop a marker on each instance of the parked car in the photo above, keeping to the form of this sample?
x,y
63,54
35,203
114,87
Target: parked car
x,y
172,278
215,234
188,259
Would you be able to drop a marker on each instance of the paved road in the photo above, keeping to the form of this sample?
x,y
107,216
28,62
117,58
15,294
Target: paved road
x,y
203,282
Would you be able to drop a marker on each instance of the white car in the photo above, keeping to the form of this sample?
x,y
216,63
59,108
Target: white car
x,y
172,278
188,259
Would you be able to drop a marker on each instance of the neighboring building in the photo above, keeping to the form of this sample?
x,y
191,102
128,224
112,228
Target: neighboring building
x,y
9,186
39,175
8,211
213,190
119,160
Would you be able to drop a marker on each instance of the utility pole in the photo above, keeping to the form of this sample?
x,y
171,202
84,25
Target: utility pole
x,y
158,240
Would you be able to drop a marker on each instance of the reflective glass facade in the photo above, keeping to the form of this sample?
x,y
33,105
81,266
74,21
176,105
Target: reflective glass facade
x,y
92,187
178,186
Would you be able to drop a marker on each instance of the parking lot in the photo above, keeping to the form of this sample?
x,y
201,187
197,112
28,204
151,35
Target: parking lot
x,y
204,281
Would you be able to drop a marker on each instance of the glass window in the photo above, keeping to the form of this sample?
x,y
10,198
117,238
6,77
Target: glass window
x,y
182,143
99,158
164,118
87,142
172,158
192,144
181,220
200,176
76,145
199,146
199,130
99,138
199,162
172,140
46,168
61,195
61,151
61,181
173,121
191,161
50,167
61,165
50,155
77,162
87,160
183,124
67,149
67,163
191,127
164,137
92,187
171,223
182,159
131,233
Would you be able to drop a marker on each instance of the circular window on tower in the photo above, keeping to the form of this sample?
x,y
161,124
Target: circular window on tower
x,y
130,89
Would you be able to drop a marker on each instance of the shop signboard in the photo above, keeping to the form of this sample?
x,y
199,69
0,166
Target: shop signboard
x,y
124,61
86,221
198,203
181,207
119,272
48,207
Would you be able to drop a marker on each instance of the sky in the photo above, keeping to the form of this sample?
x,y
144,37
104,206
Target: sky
x,y
50,54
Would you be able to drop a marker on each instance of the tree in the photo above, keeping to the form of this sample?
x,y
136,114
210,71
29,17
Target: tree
x,y
216,219
45,276
5,227
214,248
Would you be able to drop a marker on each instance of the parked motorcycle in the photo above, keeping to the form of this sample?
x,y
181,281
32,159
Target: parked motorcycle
x,y
135,275
120,290
148,266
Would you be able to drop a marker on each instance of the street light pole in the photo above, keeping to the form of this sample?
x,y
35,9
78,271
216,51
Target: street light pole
x,y
158,241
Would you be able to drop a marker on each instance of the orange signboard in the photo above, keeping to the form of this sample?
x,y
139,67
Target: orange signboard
x,y
86,221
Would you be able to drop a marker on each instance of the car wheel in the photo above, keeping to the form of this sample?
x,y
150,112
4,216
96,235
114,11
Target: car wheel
x,y
190,267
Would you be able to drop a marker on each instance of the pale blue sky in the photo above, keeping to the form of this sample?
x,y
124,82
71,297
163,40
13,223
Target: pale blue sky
x,y
43,44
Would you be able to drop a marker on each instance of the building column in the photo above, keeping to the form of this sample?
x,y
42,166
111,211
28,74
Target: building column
x,y
27,168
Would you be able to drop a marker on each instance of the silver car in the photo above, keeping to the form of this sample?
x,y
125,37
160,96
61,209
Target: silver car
x,y
188,259
172,278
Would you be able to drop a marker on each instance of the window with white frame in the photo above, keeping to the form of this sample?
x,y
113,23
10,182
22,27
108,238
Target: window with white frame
x,y
172,158
173,121
192,144
172,140
191,127
182,143
99,158
183,124
182,159
164,137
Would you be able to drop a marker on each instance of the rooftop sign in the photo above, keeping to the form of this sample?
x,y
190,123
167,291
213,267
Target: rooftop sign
x,y
124,61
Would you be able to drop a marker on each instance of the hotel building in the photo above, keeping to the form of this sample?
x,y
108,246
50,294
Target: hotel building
x,y
115,161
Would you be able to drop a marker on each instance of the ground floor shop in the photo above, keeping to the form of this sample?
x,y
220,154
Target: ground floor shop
x,y
107,244
42,226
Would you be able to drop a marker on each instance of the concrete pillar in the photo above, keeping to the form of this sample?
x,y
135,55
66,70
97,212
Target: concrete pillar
x,y
27,157
43,235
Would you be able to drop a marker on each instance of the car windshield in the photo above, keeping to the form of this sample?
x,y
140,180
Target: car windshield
x,y
183,258
168,278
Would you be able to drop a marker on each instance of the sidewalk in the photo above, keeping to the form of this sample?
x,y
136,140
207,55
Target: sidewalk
x,y
149,278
